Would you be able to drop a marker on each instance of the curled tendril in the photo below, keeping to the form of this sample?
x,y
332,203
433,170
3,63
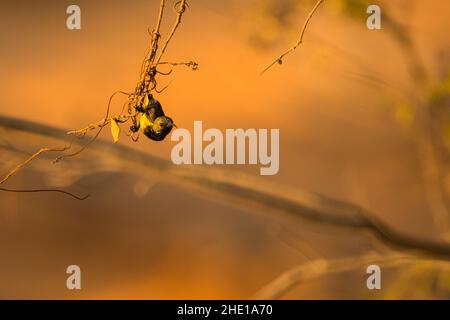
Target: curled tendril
x,y
165,73
182,10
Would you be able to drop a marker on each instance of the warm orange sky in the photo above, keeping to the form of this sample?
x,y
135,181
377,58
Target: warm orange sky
x,y
64,78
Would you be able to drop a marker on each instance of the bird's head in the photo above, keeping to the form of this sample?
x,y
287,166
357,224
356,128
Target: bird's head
x,y
160,128
163,124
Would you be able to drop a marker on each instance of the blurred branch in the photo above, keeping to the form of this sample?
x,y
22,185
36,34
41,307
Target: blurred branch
x,y
250,194
279,60
317,268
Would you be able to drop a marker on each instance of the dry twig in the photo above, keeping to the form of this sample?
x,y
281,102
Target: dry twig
x,y
21,165
190,64
27,161
181,10
279,60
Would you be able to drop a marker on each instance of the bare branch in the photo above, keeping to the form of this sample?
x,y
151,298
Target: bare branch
x,y
181,10
36,154
83,131
102,123
46,190
105,122
190,64
27,161
299,41
156,34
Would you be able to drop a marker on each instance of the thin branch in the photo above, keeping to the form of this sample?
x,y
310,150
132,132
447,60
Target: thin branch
x,y
318,268
46,190
299,41
102,123
190,64
181,10
83,131
156,35
105,121
160,16
27,161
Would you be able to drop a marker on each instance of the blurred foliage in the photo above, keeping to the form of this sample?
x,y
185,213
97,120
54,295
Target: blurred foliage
x,y
404,114
354,8
423,280
264,22
439,97
439,92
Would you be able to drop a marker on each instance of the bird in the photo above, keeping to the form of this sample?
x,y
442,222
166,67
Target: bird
x,y
151,107
160,128
153,122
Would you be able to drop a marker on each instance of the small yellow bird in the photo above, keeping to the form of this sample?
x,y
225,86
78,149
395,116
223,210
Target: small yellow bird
x,y
153,122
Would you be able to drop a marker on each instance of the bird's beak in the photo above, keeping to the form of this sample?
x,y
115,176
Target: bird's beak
x,y
175,125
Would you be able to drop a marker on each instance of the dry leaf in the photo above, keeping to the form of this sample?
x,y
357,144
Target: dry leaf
x,y
115,130
146,101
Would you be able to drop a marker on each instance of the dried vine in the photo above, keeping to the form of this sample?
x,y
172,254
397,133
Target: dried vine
x,y
141,109
139,103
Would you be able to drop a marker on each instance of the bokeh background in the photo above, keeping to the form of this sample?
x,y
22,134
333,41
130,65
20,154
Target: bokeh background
x,y
363,117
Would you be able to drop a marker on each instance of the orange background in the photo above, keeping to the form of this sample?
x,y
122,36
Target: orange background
x,y
331,99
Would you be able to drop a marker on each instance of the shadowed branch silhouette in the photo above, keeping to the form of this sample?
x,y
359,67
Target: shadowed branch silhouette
x,y
248,192
321,267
